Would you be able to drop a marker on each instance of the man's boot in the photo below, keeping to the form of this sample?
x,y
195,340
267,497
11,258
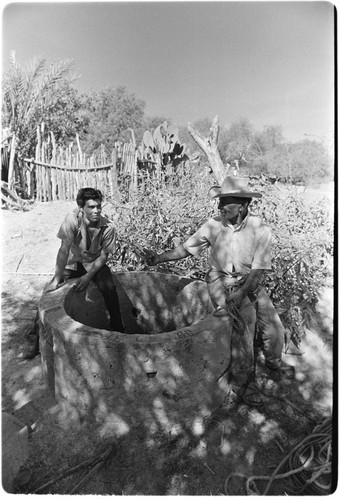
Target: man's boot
x,y
249,394
283,370
243,384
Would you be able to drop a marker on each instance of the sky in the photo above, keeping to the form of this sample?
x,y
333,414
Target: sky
x,y
269,62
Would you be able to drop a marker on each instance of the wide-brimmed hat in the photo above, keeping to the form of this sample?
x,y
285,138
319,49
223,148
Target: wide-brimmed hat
x,y
236,187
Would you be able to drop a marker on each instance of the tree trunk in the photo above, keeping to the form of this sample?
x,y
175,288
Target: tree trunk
x,y
20,168
79,149
209,147
11,176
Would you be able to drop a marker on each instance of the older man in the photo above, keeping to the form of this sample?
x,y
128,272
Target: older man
x,y
87,239
239,248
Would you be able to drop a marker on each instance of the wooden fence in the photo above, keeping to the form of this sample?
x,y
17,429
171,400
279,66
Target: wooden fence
x,y
59,175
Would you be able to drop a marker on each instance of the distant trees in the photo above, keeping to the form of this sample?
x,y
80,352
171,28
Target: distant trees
x,y
270,138
44,93
309,162
110,113
152,122
267,152
39,93
238,139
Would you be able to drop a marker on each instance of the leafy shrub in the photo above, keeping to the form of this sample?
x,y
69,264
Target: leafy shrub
x,y
161,216
302,255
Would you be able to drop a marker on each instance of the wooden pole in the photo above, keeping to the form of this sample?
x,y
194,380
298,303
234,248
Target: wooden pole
x,y
29,179
11,179
78,144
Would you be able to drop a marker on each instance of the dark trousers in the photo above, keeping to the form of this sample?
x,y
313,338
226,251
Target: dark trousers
x,y
104,281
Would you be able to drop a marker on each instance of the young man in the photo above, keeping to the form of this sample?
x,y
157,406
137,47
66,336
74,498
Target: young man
x,y
239,248
87,239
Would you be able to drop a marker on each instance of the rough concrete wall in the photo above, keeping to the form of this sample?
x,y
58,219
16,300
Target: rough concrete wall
x,y
164,382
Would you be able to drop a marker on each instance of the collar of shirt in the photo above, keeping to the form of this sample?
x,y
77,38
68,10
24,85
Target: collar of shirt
x,y
240,226
82,229
102,222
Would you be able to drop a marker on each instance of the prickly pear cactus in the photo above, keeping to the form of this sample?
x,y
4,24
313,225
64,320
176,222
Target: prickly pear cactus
x,y
165,142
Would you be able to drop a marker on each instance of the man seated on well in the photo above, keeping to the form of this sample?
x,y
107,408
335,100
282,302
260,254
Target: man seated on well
x,y
239,252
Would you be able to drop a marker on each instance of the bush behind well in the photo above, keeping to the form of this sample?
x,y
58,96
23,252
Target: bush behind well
x,y
161,215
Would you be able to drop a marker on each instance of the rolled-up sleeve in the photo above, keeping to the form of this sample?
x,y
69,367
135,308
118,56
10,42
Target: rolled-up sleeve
x,y
68,229
109,239
262,255
198,242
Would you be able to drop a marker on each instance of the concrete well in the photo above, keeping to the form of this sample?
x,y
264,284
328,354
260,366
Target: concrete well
x,y
163,373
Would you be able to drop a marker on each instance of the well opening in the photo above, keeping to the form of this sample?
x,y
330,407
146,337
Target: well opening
x,y
166,372
150,303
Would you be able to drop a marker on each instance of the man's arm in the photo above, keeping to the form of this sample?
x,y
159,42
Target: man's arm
x,y
97,264
249,286
152,259
252,281
60,265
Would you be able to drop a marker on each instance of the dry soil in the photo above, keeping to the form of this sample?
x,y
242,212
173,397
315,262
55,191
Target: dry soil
x,y
236,439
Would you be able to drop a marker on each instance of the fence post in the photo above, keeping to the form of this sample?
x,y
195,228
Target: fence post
x,y
11,178
114,177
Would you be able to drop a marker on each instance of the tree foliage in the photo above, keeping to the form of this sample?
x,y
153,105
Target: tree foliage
x,y
310,162
110,114
152,122
39,93
44,93
239,138
268,139
302,249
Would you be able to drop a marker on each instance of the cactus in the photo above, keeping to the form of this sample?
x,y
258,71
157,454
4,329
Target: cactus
x,y
165,141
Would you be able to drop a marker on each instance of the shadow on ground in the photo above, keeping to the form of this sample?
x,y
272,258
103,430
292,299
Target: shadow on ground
x,y
148,459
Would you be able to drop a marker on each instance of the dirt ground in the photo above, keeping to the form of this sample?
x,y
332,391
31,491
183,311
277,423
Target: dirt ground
x,y
236,438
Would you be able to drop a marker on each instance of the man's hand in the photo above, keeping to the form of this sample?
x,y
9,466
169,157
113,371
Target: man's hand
x,y
53,285
151,257
82,283
235,297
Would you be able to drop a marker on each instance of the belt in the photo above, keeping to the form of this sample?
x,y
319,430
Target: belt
x,y
230,279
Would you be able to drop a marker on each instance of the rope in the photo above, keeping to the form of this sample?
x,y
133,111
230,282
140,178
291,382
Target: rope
x,y
309,462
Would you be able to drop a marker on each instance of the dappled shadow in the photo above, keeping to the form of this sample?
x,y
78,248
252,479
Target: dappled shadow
x,y
22,380
150,303
119,379
155,396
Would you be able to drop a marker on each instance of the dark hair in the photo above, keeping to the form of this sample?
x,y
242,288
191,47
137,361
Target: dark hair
x,y
86,194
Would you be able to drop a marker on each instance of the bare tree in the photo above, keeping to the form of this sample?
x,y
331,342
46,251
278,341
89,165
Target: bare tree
x,y
209,147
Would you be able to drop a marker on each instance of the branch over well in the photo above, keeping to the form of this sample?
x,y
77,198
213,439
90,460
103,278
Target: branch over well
x,y
209,147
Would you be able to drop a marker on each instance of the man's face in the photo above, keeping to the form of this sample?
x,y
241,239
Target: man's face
x,y
92,210
230,208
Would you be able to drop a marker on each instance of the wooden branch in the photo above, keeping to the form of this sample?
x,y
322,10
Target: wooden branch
x,y
7,138
11,203
11,199
133,138
79,147
209,147
71,169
